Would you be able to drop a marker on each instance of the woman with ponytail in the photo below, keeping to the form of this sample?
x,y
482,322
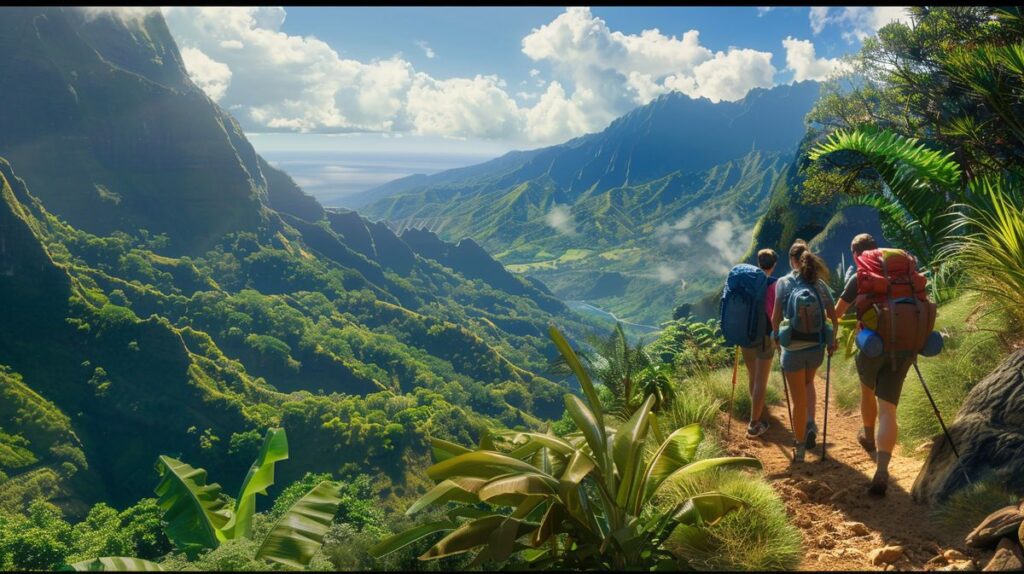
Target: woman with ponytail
x,y
804,300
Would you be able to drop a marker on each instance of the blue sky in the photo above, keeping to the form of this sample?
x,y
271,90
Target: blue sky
x,y
471,83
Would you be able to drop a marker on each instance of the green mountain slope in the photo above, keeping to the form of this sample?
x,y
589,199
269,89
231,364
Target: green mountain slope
x,y
167,292
667,193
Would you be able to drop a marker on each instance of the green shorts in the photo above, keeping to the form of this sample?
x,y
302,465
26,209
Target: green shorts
x,y
877,373
763,349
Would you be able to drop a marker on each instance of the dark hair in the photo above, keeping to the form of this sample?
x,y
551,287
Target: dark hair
x,y
812,267
767,258
863,242
797,249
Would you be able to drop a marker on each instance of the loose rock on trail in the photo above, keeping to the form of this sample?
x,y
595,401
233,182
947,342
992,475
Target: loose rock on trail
x,y
843,527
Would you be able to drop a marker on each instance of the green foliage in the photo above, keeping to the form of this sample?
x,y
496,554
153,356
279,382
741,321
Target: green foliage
x,y
582,500
629,372
691,346
992,247
759,537
914,203
42,540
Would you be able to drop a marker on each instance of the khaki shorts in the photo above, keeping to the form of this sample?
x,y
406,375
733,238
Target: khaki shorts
x,y
877,373
763,349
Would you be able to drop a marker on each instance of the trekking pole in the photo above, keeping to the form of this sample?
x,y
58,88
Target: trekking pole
x,y
942,423
735,368
824,432
785,389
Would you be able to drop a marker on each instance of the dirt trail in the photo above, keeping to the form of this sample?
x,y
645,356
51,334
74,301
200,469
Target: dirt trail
x,y
828,500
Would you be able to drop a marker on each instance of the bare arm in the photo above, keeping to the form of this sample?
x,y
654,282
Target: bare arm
x,y
841,307
776,314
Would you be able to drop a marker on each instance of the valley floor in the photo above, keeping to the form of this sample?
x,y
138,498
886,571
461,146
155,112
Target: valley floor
x,y
841,524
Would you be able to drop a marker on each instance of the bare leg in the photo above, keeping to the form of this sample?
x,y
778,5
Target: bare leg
x,y
887,431
750,362
760,387
812,394
868,408
887,427
798,393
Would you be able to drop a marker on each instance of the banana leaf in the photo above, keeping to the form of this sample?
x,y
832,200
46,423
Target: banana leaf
x,y
709,463
403,539
195,512
443,450
577,368
706,509
446,491
675,452
477,533
260,476
627,450
299,533
481,464
114,564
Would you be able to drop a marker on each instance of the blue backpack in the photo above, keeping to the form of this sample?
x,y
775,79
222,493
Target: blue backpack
x,y
742,308
806,314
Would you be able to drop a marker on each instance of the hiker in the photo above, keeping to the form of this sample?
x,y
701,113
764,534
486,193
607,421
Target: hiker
x,y
758,357
803,299
882,376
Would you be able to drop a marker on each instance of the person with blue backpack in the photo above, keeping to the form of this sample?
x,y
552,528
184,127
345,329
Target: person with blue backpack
x,y
802,304
747,299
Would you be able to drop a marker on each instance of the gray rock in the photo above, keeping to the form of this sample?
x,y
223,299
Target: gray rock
x,y
1008,557
1003,522
988,432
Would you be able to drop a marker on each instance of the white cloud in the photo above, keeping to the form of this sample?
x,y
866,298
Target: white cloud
x,y
614,72
818,18
859,22
800,57
427,50
730,239
667,274
124,13
729,76
211,76
289,82
762,10
477,107
560,218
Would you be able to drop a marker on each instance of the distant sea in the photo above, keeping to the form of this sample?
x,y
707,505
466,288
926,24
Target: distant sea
x,y
332,176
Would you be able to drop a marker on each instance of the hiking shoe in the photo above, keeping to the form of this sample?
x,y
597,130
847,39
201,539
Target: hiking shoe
x,y
798,454
879,483
867,443
811,435
756,429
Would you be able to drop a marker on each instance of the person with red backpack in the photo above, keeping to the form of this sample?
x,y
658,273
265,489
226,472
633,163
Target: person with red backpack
x,y
894,321
803,299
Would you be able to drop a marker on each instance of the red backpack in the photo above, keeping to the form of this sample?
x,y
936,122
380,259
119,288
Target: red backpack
x,y
892,299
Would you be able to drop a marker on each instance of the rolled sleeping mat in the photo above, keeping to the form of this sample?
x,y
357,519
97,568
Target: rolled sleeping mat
x,y
932,345
869,343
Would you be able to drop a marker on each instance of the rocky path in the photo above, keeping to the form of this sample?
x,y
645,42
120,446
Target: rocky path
x,y
845,528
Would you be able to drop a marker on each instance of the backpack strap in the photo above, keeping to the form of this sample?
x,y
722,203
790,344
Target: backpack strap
x,y
892,318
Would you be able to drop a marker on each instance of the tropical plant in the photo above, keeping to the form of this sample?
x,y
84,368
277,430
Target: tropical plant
x,y
992,247
691,346
631,373
582,501
920,183
200,516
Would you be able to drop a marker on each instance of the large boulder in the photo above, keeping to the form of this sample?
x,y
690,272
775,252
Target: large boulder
x,y
989,434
